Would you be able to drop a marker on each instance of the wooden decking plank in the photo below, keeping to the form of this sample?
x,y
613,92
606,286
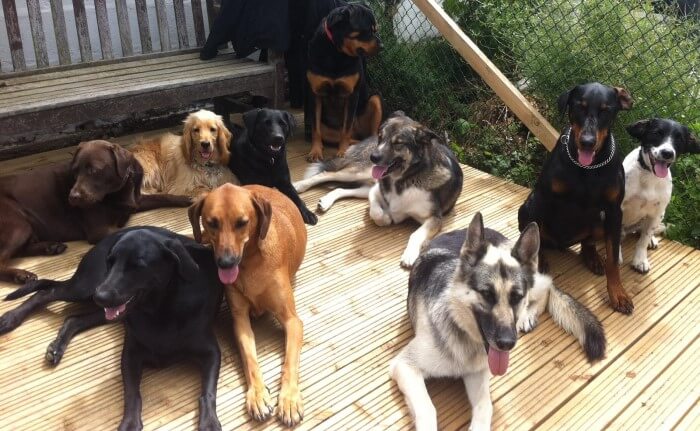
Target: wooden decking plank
x,y
668,398
691,421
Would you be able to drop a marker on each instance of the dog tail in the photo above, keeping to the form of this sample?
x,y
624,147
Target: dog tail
x,y
578,321
332,165
30,287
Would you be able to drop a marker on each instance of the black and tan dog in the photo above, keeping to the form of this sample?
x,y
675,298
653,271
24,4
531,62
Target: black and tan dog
x,y
578,196
343,108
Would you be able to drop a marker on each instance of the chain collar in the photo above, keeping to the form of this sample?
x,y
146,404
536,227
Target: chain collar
x,y
565,142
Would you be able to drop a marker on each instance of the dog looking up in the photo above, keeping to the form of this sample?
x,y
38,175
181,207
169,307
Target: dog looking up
x,y
648,183
190,164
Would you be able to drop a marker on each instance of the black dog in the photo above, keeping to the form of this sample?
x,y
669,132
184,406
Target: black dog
x,y
166,288
343,109
579,193
259,154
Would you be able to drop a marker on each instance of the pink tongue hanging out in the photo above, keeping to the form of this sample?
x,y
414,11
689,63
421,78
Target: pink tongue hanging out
x,y
114,312
585,157
228,276
498,361
378,171
660,168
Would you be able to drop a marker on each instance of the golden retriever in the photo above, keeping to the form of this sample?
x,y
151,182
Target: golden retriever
x,y
190,164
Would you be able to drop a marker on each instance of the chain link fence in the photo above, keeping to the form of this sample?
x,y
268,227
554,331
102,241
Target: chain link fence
x,y
651,48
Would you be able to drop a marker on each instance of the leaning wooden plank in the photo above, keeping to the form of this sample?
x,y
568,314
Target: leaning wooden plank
x,y
103,29
124,29
488,71
59,29
163,31
37,27
181,24
82,29
198,21
14,37
142,19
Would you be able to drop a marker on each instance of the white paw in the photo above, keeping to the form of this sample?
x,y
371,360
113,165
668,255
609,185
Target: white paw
x,y
641,265
325,203
473,426
379,216
299,186
426,420
527,322
653,243
409,256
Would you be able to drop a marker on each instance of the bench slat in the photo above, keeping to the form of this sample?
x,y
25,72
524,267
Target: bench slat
x,y
38,38
198,21
13,34
162,18
124,30
82,29
180,23
59,29
142,19
103,29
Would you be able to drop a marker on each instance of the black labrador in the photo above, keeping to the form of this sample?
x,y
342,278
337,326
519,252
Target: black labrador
x,y
259,154
165,289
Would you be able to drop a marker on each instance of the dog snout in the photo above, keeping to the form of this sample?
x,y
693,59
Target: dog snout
x,y
227,261
375,158
277,139
667,154
380,45
587,140
104,296
205,145
505,338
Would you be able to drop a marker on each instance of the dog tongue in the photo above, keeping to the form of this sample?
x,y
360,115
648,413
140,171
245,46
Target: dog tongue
x,y
660,168
228,276
378,171
498,361
585,157
114,312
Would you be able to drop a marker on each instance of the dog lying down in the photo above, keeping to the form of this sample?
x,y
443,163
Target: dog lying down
x,y
163,286
407,172
469,293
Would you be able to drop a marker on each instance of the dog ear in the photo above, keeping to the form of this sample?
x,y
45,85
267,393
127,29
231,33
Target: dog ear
x,y
249,120
291,123
692,142
194,212
397,114
638,129
187,268
263,209
425,136
624,99
123,160
563,101
223,140
527,247
337,15
187,137
474,246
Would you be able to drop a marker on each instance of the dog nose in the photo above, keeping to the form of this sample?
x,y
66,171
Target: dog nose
x,y
277,139
380,45
505,340
226,261
205,144
587,141
75,195
103,297
667,154
375,158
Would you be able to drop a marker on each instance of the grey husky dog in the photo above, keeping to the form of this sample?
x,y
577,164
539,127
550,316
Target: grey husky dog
x,y
405,172
469,293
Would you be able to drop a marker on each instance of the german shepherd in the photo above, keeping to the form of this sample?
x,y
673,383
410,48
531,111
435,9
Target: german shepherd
x,y
407,172
469,293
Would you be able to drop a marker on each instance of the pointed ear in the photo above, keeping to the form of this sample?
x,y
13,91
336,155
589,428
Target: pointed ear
x,y
263,209
291,124
624,99
527,247
249,120
425,136
397,114
194,212
563,101
187,268
638,129
473,247
223,140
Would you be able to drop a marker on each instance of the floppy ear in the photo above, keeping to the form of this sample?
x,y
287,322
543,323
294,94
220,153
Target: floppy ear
x,y
425,136
563,101
187,137
291,124
263,209
527,247
638,129
187,268
692,143
223,140
473,246
397,114
337,15
624,98
249,120
194,212
123,160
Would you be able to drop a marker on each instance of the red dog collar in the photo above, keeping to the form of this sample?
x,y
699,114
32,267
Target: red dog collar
x,y
328,31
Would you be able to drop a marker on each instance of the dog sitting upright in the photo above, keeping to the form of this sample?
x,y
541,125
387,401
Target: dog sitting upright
x,y
648,184
343,108
578,195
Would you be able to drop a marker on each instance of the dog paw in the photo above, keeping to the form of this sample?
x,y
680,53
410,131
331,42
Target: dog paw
x,y
130,424
22,276
209,424
594,262
653,243
8,322
309,217
315,155
622,303
325,203
290,407
641,266
527,322
55,248
54,353
258,403
379,217
409,257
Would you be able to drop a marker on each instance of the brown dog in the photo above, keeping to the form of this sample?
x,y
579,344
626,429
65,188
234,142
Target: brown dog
x,y
259,240
87,198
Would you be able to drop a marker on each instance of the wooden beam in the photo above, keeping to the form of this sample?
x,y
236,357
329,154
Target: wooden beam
x,y
488,71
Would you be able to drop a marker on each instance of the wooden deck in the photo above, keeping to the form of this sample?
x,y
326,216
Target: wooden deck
x,y
351,295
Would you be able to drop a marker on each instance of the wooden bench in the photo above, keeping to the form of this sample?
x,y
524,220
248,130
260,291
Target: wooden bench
x,y
135,78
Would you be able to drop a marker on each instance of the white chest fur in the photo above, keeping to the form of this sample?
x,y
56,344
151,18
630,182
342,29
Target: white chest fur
x,y
412,202
646,195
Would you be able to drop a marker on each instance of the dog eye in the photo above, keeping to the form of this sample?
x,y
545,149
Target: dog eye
x,y
196,129
488,296
515,298
213,129
213,223
241,224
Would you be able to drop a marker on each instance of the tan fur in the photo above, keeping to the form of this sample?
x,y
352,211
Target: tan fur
x,y
265,228
173,164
